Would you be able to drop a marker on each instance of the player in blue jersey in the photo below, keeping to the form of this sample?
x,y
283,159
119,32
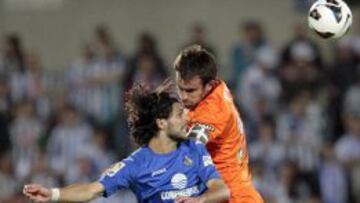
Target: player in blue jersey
x,y
166,168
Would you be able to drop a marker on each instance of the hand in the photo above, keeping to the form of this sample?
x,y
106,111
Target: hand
x,y
37,193
182,199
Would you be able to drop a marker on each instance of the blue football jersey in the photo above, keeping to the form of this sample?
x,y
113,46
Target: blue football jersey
x,y
162,177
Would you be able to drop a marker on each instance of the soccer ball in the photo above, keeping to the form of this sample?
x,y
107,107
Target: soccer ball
x,y
330,18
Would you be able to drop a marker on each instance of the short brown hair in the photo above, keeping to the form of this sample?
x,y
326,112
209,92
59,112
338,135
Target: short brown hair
x,y
195,60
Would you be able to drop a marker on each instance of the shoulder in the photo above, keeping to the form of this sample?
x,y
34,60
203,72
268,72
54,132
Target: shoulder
x,y
217,103
138,156
194,145
130,163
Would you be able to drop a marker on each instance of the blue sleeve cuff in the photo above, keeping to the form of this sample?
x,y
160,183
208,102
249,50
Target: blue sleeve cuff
x,y
107,188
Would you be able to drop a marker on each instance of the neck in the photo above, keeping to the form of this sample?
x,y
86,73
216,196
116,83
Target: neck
x,y
213,85
162,144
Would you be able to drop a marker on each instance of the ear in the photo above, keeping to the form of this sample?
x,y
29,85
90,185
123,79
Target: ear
x,y
209,86
161,123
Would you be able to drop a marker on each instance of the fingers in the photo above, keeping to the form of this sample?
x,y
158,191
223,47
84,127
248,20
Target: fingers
x,y
29,190
32,187
34,192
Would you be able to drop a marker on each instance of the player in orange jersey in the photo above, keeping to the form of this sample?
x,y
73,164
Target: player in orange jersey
x,y
215,120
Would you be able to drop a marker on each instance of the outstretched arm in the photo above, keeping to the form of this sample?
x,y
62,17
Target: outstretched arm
x,y
217,192
71,193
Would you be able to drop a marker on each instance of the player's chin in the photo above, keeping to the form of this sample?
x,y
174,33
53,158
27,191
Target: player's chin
x,y
179,137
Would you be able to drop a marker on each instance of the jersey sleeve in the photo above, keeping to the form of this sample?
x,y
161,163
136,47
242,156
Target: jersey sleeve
x,y
207,170
118,176
209,123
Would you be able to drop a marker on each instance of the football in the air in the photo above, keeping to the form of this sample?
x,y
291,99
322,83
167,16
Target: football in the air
x,y
330,18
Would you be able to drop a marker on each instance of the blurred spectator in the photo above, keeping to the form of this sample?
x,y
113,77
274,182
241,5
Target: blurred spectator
x,y
333,182
31,84
2,63
289,187
5,102
146,71
302,6
68,137
356,46
146,66
300,129
341,75
39,85
8,183
41,172
199,36
34,76
352,100
5,107
263,181
14,56
347,148
104,85
25,132
103,37
244,52
76,80
267,150
300,72
344,71
99,153
260,86
122,143
84,170
300,35
100,82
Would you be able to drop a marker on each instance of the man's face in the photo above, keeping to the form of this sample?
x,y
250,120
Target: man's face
x,y
191,91
177,122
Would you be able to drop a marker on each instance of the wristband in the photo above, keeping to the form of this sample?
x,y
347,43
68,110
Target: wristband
x,y
55,194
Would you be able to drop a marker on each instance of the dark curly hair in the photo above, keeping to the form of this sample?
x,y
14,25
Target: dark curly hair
x,y
196,61
143,106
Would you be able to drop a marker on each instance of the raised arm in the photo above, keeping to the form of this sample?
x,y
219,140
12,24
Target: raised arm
x,y
71,193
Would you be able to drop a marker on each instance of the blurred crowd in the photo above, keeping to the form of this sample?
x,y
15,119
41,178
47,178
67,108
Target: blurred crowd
x,y
301,113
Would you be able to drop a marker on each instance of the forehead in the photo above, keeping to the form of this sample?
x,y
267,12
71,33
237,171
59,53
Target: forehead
x,y
193,82
177,107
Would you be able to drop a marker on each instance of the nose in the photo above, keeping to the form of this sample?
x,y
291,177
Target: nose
x,y
183,95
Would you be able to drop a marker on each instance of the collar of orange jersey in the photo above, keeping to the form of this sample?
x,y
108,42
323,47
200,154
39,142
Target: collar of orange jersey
x,y
218,84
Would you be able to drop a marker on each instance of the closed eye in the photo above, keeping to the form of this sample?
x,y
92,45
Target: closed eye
x,y
189,90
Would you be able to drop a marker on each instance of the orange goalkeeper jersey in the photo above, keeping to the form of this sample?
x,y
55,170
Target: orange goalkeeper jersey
x,y
216,121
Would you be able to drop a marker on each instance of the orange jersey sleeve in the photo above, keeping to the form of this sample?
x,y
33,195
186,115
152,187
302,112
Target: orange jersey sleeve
x,y
217,122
